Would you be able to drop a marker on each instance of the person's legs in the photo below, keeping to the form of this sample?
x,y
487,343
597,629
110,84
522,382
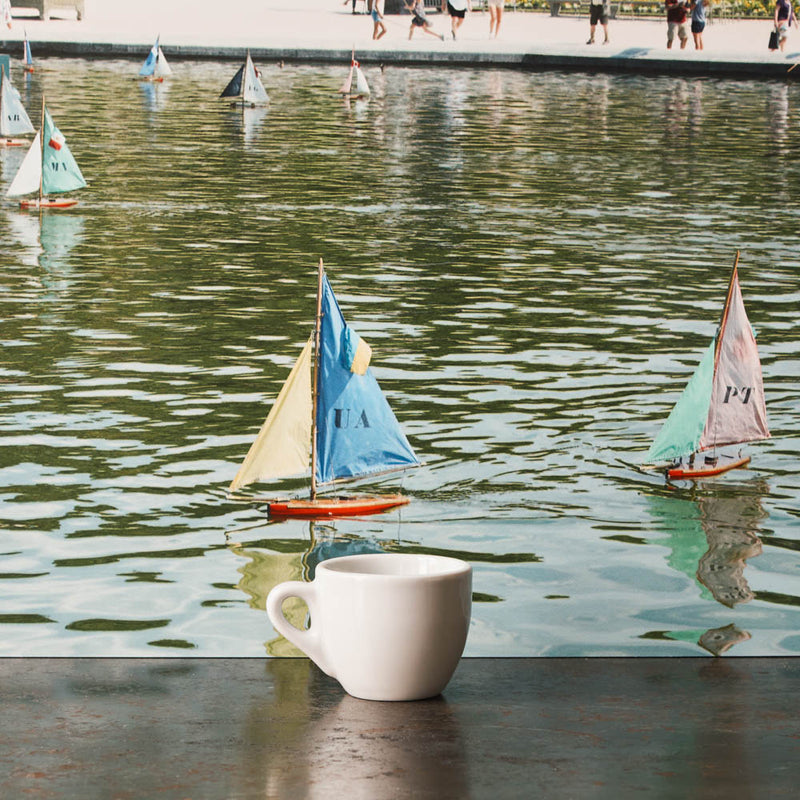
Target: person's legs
x,y
428,29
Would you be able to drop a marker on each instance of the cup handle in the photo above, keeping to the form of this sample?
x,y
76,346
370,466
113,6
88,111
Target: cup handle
x,y
309,641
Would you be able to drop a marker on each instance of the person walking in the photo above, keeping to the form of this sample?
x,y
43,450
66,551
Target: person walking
x,y
457,10
598,12
784,16
378,29
419,20
676,22
698,22
495,16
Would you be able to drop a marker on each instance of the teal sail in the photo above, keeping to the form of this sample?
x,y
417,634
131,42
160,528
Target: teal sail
x,y
685,424
357,432
60,171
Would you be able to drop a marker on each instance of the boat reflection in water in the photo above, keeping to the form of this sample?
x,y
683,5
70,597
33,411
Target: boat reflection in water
x,y
154,94
46,240
293,560
729,519
273,561
730,523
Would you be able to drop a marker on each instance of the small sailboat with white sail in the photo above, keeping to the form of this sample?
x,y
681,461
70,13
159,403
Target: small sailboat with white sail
x,y
722,406
339,422
361,88
14,120
155,67
27,56
48,168
246,87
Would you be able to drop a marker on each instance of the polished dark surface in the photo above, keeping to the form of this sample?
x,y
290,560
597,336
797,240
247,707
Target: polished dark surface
x,y
248,728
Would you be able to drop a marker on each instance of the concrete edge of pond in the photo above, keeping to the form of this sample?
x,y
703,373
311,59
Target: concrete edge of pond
x,y
318,31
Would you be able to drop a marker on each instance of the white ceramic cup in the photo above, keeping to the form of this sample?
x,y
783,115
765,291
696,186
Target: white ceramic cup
x,y
387,626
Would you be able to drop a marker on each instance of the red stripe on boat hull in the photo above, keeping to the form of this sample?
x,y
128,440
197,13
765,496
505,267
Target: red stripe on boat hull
x,y
707,472
45,203
336,506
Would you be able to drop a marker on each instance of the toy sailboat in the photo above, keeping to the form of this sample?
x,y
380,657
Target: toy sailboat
x,y
362,87
27,57
14,120
246,85
155,67
48,168
722,405
341,419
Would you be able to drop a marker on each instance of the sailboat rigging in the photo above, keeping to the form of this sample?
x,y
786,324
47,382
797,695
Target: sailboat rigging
x,y
48,168
362,87
27,56
722,405
247,86
14,120
341,421
155,67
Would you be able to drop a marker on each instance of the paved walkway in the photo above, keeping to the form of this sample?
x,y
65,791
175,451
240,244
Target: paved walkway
x,y
323,30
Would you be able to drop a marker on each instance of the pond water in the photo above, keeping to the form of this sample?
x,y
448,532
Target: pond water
x,y
538,261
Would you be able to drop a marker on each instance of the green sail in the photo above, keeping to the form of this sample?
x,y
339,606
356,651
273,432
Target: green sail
x,y
60,171
684,426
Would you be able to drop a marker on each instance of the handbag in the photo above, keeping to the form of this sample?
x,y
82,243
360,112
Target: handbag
x,y
773,40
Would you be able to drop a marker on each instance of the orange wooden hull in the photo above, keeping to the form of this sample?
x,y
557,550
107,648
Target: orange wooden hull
x,y
47,203
336,506
691,473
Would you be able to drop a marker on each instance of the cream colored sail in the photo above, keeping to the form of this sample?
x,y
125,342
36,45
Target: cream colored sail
x,y
30,172
282,446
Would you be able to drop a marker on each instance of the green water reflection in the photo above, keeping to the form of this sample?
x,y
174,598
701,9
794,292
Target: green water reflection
x,y
537,261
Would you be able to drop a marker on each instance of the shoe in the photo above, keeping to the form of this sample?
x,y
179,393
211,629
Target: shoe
x,y
606,40
441,36
590,41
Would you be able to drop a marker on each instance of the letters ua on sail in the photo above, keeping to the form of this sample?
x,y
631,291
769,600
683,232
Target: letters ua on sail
x,y
340,422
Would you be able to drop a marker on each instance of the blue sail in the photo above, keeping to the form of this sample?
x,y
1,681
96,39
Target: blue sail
x,y
357,432
149,66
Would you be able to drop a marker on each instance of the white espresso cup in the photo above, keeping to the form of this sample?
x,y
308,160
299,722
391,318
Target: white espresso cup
x,y
387,626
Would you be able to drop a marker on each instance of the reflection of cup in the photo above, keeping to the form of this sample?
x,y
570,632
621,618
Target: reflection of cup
x,y
387,626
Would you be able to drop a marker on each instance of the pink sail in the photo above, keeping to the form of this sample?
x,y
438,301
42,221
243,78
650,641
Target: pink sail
x,y
737,412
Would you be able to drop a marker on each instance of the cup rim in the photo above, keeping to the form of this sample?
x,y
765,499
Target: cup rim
x,y
348,566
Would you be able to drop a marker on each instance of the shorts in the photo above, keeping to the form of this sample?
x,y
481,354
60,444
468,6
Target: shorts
x,y
698,27
418,21
680,27
783,30
496,3
375,16
598,13
454,12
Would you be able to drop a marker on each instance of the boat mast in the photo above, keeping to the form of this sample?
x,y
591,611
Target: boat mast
x,y
724,318
41,160
315,388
